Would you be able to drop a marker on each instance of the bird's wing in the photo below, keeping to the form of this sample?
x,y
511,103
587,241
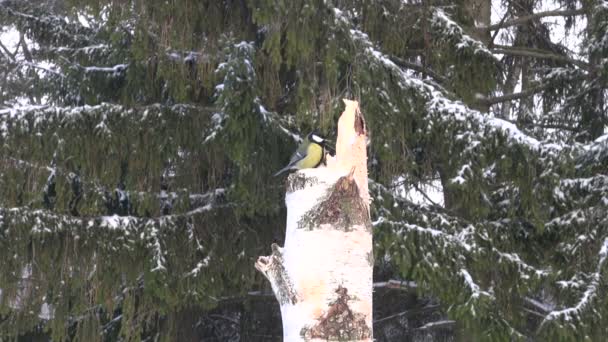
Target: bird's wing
x,y
297,156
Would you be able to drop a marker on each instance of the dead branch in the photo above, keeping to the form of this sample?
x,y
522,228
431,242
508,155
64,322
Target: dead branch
x,y
527,18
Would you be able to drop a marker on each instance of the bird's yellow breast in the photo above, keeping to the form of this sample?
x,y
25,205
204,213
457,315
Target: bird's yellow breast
x,y
314,155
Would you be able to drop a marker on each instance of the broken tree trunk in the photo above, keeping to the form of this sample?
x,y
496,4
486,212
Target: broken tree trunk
x,y
322,278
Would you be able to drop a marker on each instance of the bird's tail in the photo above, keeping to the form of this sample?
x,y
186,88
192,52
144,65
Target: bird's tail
x,y
286,168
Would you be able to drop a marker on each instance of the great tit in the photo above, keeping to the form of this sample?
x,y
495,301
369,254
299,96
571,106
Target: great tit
x,y
309,154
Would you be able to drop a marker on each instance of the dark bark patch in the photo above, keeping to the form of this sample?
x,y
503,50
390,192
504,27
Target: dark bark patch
x,y
342,209
339,323
360,127
298,181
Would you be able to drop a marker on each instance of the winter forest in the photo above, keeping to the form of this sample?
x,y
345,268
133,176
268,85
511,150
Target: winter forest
x,y
138,139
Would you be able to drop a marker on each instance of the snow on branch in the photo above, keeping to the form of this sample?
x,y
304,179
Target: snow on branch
x,y
450,232
594,154
449,28
521,265
476,291
466,241
42,67
597,185
114,70
33,117
590,293
450,239
114,222
438,104
443,108
63,31
126,228
87,50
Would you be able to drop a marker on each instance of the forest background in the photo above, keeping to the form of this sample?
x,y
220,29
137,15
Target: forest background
x,y
138,139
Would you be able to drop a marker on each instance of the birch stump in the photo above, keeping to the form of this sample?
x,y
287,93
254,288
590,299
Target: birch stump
x,y
322,278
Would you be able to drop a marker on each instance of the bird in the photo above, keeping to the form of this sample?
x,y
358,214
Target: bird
x,y
309,154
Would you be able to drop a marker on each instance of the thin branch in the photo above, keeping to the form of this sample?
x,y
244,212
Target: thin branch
x,y
524,19
241,298
224,317
426,196
532,312
555,126
437,325
543,307
8,53
40,67
396,284
552,126
514,96
504,17
408,312
26,51
537,53
111,323
417,67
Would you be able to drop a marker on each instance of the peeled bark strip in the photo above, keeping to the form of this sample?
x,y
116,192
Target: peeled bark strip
x,y
322,278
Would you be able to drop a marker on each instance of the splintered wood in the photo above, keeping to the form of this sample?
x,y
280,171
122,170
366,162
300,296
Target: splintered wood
x,y
351,147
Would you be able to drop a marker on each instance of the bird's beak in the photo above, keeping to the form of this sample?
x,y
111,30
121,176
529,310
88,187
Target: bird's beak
x,y
327,143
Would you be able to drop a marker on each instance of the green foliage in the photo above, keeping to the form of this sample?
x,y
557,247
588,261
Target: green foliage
x,y
140,185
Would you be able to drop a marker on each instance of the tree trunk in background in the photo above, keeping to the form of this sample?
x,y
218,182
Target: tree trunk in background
x,y
514,71
480,11
322,278
525,38
131,192
594,120
480,14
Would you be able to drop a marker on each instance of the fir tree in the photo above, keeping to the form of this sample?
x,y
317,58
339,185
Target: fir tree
x,y
138,139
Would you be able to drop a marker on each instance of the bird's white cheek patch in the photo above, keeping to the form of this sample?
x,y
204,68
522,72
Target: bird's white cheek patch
x,y
317,139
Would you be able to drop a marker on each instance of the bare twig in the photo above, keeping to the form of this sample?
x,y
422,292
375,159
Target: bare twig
x,y
524,19
408,312
396,284
438,324
224,317
504,17
40,67
7,52
425,195
537,53
417,67
513,96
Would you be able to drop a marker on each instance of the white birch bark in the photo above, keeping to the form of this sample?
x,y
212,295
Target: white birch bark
x,y
322,278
